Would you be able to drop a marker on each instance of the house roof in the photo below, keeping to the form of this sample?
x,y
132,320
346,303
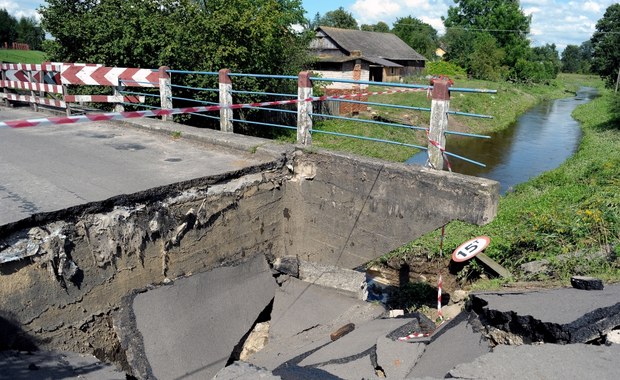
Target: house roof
x,y
372,44
348,58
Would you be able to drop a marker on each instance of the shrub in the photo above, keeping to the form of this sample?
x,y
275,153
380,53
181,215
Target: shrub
x,y
445,68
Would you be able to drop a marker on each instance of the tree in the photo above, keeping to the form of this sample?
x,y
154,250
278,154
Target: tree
x,y
503,19
339,18
29,32
420,36
571,59
605,42
8,27
485,61
549,55
380,27
586,50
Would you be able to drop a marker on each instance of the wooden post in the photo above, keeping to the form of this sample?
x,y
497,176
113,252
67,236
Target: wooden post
x,y
439,122
304,109
165,91
33,94
226,114
617,80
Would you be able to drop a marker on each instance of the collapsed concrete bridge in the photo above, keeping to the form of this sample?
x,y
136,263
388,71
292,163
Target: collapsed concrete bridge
x,y
65,270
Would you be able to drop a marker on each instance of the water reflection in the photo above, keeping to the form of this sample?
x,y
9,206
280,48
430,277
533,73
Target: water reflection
x,y
541,140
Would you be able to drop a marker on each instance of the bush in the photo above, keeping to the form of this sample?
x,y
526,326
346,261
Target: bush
x,y
614,109
445,68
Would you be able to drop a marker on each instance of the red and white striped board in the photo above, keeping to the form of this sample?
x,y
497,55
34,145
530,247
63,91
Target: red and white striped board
x,y
35,99
31,86
104,98
108,76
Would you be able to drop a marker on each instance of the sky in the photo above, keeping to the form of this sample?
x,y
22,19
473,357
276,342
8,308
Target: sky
x,y
562,22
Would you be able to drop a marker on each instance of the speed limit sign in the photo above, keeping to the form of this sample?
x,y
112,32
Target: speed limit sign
x,y
470,248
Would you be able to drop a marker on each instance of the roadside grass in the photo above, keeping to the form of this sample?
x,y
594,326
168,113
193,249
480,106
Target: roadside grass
x,y
506,106
565,216
21,56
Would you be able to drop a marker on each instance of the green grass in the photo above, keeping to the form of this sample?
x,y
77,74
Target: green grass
x,y
21,56
506,106
575,208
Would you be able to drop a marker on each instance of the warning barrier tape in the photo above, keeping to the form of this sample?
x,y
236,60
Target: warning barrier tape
x,y
176,111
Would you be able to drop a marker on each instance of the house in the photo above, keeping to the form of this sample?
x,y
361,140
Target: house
x,y
382,57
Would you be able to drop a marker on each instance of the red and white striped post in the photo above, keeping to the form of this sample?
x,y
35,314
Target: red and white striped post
x,y
226,114
165,91
304,109
439,286
439,122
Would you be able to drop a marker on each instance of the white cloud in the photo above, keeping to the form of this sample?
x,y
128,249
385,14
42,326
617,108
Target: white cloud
x,y
592,6
373,11
19,10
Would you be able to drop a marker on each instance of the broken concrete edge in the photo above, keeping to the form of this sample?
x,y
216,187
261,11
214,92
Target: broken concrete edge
x,y
590,326
157,194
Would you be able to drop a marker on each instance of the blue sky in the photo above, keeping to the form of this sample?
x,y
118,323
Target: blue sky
x,y
561,22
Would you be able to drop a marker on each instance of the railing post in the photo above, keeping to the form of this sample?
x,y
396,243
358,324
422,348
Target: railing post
x,y
165,91
3,77
439,122
304,109
226,114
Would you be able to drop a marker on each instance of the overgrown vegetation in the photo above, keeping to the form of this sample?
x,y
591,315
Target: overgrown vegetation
x,y
569,216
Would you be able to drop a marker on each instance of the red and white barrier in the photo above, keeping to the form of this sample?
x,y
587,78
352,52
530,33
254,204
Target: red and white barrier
x,y
176,111
34,99
56,89
104,99
108,76
439,286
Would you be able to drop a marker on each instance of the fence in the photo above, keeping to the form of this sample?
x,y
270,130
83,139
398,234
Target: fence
x,y
165,102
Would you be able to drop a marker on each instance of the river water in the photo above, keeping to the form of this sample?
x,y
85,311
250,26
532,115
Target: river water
x,y
541,140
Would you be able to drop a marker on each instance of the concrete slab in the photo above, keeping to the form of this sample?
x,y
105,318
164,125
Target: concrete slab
x,y
302,319
564,315
16,365
50,168
456,343
356,342
546,361
244,371
397,358
360,368
189,328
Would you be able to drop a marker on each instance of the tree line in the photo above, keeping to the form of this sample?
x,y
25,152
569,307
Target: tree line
x,y
26,30
487,39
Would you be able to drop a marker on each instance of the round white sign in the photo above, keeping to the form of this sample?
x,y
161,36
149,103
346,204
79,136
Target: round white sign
x,y
470,248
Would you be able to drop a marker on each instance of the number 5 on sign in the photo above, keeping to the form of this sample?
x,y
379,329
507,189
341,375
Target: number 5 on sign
x,y
470,248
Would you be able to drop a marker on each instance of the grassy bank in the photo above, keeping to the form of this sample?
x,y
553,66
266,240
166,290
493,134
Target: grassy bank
x,y
565,216
505,107
21,56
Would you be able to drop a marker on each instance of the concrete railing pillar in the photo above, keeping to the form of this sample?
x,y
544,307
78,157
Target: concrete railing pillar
x,y
304,109
439,122
165,91
226,114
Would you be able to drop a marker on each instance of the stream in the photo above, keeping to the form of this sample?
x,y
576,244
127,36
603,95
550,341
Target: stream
x,y
541,140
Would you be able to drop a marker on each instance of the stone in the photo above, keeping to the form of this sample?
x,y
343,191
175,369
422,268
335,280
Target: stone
x,y
451,311
256,341
586,283
287,265
458,296
613,337
535,267
396,313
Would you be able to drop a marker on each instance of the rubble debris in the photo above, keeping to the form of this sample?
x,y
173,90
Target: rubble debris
x,y
256,341
344,330
287,265
613,337
586,283
172,323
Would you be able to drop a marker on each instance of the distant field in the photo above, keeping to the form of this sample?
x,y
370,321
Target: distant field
x,y
21,56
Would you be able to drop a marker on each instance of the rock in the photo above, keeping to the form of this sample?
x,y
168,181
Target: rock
x,y
396,313
586,283
256,341
613,337
287,265
535,267
458,296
